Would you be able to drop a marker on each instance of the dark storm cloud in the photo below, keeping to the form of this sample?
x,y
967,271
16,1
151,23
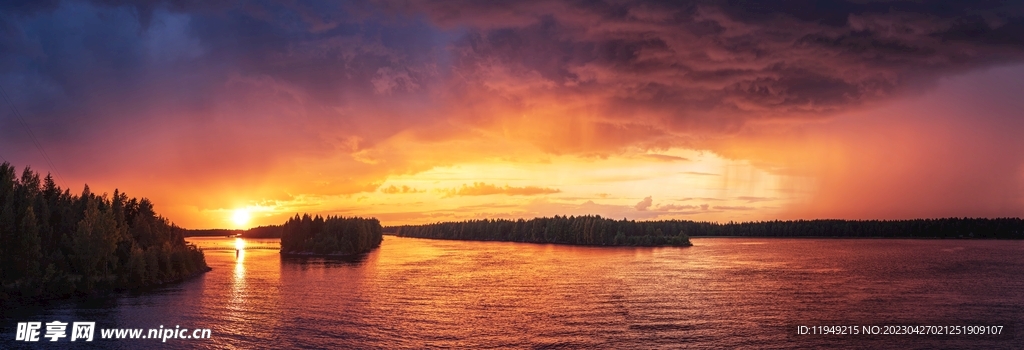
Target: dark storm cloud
x,y
84,52
24,7
714,64
177,79
601,75
169,87
702,65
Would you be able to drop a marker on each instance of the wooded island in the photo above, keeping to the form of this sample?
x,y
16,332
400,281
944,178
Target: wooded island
x,y
577,230
333,236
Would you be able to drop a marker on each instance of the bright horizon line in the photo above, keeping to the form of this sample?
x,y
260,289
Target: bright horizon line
x,y
696,221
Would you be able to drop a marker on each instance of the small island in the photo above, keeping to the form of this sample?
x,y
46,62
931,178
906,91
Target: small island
x,y
333,236
590,230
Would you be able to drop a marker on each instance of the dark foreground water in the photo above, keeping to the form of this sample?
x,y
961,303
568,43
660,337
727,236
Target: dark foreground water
x,y
720,293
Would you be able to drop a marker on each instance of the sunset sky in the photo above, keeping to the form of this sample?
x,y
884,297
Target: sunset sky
x,y
417,112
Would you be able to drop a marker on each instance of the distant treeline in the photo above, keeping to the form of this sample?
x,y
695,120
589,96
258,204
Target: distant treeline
x,y
580,230
215,232
334,235
594,230
54,244
272,231
1002,228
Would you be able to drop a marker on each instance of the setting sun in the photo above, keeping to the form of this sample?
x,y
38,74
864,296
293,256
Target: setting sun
x,y
240,217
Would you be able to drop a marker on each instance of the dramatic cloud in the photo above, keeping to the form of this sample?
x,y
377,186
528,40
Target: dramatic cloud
x,y
699,67
319,105
956,152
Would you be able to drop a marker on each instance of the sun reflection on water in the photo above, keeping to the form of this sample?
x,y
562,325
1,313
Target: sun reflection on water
x,y
238,282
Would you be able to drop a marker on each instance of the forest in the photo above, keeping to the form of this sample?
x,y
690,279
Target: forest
x,y
998,228
578,230
333,235
55,244
595,230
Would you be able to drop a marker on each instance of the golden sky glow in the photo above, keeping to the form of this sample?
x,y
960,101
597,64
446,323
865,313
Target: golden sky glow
x,y
861,165
230,117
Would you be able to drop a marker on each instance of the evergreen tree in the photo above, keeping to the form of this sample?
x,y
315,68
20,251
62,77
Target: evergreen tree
x,y
333,235
55,244
594,230
27,254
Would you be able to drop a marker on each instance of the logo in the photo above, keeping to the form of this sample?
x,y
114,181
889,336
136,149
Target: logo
x,y
30,331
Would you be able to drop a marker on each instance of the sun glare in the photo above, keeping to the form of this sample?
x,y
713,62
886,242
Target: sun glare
x,y
240,217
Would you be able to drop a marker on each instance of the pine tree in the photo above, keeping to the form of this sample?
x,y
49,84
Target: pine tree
x,y
28,252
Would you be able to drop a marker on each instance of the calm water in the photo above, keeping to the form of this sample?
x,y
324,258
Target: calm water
x,y
723,292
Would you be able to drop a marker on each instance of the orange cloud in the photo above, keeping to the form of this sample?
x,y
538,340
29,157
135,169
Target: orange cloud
x,y
396,190
665,158
483,189
732,207
837,111
644,204
674,207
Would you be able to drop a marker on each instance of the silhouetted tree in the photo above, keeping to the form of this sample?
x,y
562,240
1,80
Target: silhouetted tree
x,y
594,230
54,244
334,235
579,230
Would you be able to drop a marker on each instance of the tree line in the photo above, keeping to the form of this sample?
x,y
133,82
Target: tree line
x,y
56,244
269,231
215,232
595,230
578,230
996,228
333,235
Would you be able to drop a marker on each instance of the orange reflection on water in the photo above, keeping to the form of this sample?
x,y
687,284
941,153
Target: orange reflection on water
x,y
241,292
727,292
238,285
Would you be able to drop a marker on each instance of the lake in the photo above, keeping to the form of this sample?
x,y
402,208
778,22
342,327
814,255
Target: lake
x,y
720,293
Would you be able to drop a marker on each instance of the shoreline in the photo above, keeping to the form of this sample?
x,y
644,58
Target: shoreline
x,y
838,237
692,237
315,255
14,303
329,255
555,243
